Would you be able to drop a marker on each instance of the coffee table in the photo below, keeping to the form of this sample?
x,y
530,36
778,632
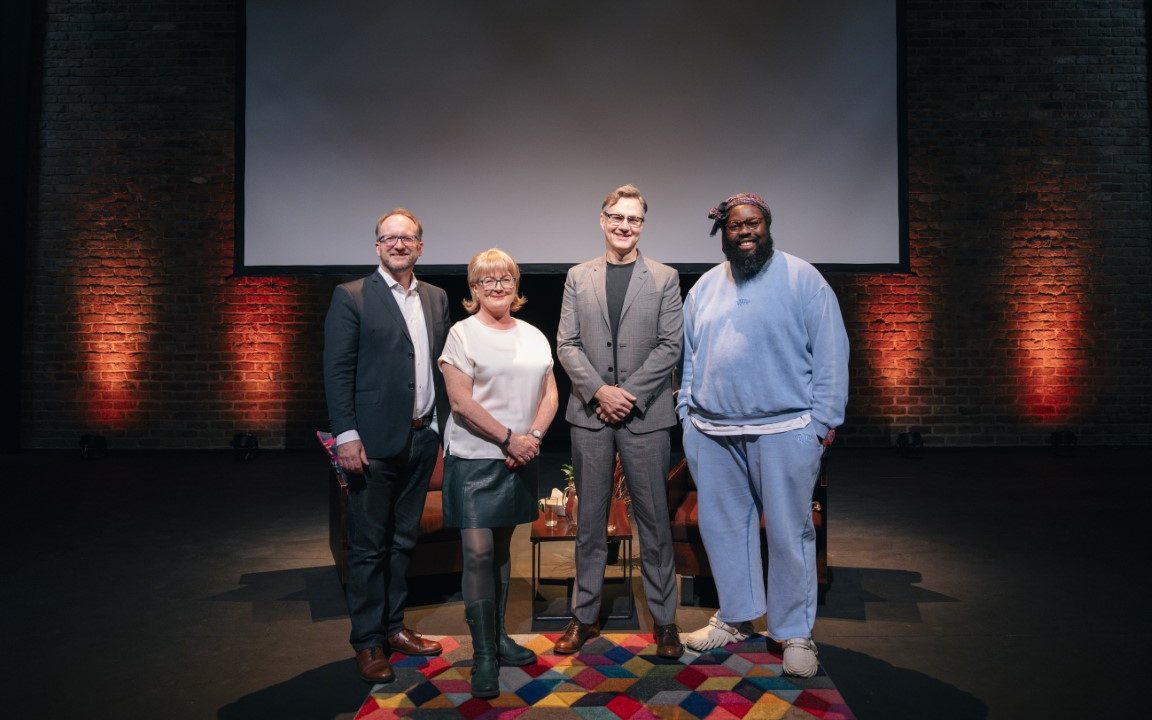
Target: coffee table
x,y
562,531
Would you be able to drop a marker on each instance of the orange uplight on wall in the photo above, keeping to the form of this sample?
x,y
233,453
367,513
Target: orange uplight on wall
x,y
1045,324
893,312
114,302
259,317
1045,293
114,343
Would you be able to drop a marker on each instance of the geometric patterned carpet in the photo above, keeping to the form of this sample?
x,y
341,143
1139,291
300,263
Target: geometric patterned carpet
x,y
616,676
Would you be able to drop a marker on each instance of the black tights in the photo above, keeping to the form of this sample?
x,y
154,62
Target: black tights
x,y
487,561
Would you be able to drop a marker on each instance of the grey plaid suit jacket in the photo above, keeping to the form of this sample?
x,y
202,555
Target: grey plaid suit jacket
x,y
650,339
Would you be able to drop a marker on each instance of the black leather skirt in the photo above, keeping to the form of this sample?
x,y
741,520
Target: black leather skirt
x,y
486,494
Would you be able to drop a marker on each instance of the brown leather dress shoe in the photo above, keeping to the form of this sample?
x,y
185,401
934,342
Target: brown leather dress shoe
x,y
409,643
574,637
668,641
374,666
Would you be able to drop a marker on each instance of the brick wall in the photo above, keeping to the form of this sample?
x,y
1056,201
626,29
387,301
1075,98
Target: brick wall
x,y
1025,309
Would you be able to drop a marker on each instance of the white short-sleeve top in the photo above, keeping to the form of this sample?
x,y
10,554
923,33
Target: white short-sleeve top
x,y
507,368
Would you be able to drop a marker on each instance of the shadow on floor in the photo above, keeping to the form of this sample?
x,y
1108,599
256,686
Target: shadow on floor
x,y
317,586
876,690
327,692
320,587
852,589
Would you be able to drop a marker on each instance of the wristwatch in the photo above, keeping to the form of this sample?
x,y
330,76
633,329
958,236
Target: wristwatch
x,y
536,434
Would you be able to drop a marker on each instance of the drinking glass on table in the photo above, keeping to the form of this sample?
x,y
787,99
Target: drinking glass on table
x,y
550,513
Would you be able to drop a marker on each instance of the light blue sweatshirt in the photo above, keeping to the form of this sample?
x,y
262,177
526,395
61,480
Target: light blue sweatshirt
x,y
765,351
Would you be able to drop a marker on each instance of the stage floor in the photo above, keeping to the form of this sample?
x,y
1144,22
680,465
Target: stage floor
x,y
966,584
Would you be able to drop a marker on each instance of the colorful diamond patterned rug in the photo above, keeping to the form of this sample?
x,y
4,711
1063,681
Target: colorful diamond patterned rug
x,y
614,677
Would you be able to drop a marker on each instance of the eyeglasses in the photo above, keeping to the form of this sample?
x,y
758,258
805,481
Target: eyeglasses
x,y
391,240
617,219
490,283
750,224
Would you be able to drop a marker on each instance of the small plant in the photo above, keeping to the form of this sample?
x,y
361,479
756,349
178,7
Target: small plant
x,y
619,487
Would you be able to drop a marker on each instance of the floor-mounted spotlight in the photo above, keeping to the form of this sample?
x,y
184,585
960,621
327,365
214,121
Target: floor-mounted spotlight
x,y
93,446
910,444
1063,442
244,446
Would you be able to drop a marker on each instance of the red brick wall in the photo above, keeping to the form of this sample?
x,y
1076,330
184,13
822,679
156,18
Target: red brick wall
x,y
1025,309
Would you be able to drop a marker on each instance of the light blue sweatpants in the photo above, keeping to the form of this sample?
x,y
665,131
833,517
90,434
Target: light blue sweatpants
x,y
738,478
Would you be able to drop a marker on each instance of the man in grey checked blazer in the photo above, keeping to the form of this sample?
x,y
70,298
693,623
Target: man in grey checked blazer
x,y
619,339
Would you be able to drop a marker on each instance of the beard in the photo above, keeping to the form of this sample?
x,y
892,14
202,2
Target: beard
x,y
746,266
399,263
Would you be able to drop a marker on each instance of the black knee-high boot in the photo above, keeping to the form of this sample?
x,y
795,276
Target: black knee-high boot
x,y
481,617
508,650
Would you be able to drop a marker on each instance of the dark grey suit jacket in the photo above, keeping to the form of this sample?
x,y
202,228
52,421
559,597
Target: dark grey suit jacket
x,y
369,376
650,338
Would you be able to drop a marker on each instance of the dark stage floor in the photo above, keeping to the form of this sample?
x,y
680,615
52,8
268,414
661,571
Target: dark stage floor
x,y
966,584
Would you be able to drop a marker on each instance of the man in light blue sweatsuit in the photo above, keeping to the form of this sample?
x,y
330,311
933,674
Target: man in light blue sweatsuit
x,y
764,385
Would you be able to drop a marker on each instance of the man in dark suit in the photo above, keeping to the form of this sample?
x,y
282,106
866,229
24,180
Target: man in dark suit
x,y
382,336
619,340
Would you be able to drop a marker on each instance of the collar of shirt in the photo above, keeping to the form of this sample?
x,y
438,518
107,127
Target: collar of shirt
x,y
393,284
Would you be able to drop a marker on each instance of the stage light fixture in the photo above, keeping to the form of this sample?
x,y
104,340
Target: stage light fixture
x,y
244,446
910,444
1063,442
93,446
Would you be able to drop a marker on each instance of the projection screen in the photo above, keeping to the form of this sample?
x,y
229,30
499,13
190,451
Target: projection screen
x,y
504,123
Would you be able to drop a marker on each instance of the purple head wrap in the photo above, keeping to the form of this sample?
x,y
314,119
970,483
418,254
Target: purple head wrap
x,y
720,213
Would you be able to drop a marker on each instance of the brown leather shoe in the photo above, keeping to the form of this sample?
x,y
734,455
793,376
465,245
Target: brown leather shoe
x,y
374,666
409,643
574,637
668,641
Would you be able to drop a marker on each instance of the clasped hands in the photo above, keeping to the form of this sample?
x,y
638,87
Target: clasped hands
x,y
615,403
520,451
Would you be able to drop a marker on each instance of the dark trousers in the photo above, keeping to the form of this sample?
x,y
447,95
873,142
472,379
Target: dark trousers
x,y
384,508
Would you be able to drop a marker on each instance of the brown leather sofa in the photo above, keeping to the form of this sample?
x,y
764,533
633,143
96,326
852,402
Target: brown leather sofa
x,y
437,549
697,586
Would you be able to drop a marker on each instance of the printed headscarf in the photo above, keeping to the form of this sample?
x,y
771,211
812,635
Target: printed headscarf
x,y
720,213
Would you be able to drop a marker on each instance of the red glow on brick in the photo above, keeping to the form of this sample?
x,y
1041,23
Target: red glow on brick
x,y
115,313
894,313
1045,323
260,317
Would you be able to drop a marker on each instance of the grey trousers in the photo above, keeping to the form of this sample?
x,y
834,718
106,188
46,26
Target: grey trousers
x,y
645,459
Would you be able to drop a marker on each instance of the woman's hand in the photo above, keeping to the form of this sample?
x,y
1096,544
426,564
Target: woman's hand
x,y
521,450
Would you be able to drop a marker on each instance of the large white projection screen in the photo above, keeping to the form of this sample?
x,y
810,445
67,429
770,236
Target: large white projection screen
x,y
504,123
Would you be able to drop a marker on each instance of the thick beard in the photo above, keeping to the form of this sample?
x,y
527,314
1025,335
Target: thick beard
x,y
747,266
